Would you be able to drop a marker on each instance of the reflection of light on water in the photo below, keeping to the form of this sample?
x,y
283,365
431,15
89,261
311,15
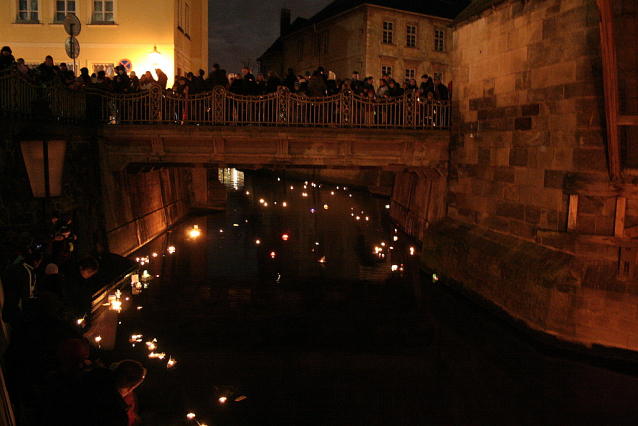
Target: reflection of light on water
x,y
231,178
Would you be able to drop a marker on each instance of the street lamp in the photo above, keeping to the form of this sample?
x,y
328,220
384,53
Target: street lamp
x,y
155,56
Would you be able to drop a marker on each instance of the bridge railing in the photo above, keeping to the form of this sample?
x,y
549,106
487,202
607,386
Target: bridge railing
x,y
20,98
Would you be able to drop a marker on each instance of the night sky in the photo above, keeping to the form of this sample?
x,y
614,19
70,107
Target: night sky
x,y
239,32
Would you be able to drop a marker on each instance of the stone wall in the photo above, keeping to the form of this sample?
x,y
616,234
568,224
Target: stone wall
x,y
141,206
534,225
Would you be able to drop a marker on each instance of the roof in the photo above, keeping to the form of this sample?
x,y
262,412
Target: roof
x,y
476,7
447,9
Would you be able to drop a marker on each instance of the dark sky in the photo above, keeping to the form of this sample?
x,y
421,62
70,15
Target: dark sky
x,y
239,32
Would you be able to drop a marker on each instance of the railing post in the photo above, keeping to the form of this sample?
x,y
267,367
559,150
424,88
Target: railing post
x,y
408,110
219,101
156,103
282,105
346,108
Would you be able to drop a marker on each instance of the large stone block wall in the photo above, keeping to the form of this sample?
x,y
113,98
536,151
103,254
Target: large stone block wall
x,y
532,222
529,96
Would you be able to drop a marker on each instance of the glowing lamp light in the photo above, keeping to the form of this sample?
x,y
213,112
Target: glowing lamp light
x,y
322,260
285,204
285,237
171,249
116,305
292,187
332,193
158,355
145,275
261,201
396,238
154,254
395,267
257,242
304,194
80,321
265,204
325,207
222,399
190,416
195,232
155,55
387,206
358,217
247,192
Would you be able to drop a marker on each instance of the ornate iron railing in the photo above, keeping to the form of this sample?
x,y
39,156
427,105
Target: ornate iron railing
x,y
21,98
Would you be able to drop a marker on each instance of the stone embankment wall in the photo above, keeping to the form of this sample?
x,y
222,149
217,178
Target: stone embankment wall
x,y
140,206
113,211
534,226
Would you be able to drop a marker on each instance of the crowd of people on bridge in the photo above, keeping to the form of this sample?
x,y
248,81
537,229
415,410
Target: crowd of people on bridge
x,y
312,84
53,374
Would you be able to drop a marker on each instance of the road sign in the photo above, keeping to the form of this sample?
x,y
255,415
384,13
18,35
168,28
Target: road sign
x,y
72,47
72,25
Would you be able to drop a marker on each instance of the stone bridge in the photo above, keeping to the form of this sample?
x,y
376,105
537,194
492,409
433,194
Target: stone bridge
x,y
253,147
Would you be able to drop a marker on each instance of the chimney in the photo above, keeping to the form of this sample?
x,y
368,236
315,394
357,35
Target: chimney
x,y
284,21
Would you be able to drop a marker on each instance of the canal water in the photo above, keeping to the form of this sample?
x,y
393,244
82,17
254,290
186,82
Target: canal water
x,y
303,305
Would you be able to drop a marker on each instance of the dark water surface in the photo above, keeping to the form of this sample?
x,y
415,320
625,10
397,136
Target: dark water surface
x,y
347,341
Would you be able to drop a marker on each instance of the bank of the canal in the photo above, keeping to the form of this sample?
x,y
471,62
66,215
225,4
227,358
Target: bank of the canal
x,y
298,311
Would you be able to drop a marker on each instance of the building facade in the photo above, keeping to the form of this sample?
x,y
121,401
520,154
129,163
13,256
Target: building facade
x,y
112,32
373,38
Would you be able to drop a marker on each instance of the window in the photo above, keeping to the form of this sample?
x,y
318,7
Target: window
x,y
386,70
411,36
109,69
300,50
103,12
183,17
63,8
388,31
28,10
439,37
187,19
325,42
409,73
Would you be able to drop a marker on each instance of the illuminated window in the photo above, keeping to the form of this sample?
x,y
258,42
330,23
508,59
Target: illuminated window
x,y
103,12
28,11
63,8
388,32
109,69
386,70
439,39
411,36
